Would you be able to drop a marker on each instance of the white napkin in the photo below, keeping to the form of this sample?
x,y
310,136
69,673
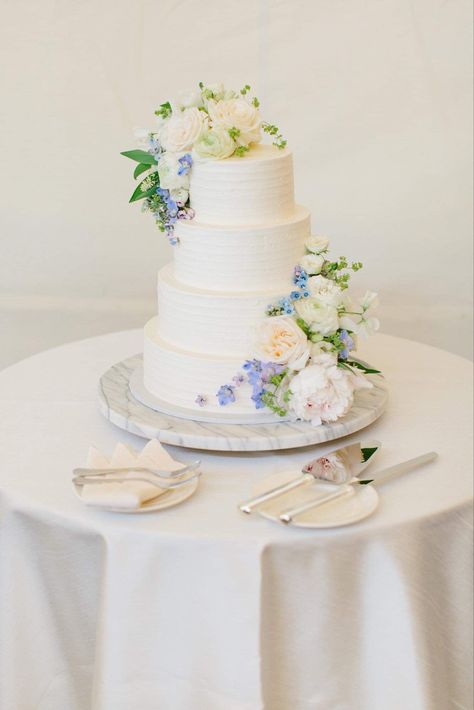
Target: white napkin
x,y
132,493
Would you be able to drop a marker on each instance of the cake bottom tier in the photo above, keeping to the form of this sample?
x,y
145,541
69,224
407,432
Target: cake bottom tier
x,y
179,376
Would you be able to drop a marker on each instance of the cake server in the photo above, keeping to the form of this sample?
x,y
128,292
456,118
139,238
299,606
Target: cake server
x,y
339,466
387,474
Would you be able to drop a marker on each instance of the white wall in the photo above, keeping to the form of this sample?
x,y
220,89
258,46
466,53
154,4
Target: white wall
x,y
373,95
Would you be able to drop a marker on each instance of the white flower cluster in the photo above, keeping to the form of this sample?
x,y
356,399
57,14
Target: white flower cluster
x,y
213,122
315,341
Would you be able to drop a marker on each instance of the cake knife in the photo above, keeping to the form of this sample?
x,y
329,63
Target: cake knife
x,y
339,466
387,474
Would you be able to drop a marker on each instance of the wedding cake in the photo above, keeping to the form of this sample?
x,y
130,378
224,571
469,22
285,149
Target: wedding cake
x,y
252,313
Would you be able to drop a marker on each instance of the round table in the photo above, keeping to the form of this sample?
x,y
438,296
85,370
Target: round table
x,y
200,608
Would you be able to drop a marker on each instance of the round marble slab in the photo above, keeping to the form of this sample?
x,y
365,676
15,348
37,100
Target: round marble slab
x,y
119,406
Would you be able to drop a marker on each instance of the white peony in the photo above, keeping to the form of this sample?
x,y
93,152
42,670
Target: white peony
x,y
168,167
312,263
282,341
317,244
325,290
182,130
323,392
214,144
237,113
320,317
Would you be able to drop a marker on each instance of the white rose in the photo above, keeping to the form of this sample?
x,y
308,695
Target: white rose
x,y
237,113
325,290
320,317
214,144
317,244
182,130
168,167
323,392
282,341
312,263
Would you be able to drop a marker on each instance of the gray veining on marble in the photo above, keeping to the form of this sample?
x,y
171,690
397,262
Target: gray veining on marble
x,y
120,407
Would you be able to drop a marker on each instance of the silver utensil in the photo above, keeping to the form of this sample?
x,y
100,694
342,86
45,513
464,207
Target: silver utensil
x,y
165,475
153,480
339,466
387,474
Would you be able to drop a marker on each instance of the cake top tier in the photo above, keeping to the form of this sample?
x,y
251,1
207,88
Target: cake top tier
x,y
254,189
205,159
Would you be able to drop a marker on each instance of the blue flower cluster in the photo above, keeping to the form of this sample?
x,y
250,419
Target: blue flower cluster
x,y
259,374
226,394
285,305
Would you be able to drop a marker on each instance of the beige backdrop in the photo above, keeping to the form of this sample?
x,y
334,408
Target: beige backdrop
x,y
373,95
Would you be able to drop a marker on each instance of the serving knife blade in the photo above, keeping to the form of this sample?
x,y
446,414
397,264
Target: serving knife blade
x,y
339,466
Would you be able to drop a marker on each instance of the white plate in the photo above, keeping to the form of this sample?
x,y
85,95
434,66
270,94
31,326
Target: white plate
x,y
345,511
165,500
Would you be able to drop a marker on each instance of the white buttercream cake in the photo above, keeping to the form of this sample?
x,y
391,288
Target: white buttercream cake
x,y
234,258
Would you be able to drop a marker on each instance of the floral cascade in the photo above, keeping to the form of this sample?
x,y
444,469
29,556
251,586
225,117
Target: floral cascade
x,y
303,366
210,123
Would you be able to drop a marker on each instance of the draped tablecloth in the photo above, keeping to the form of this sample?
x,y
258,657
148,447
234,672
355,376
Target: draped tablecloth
x,y
199,608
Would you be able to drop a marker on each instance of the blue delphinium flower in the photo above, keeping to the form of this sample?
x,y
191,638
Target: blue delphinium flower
x,y
201,400
257,398
154,146
225,395
348,343
185,163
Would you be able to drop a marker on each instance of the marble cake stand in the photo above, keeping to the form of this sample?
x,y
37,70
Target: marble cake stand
x,y
120,407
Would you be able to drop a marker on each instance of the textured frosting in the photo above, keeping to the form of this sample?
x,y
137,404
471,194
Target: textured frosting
x,y
254,189
178,376
236,258
205,321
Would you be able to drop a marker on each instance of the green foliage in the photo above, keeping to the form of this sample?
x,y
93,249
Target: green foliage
x,y
140,156
274,131
241,150
164,111
360,366
368,452
234,132
141,168
146,188
306,330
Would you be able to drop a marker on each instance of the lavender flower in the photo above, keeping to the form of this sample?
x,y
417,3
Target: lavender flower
x,y
201,400
225,395
238,379
348,343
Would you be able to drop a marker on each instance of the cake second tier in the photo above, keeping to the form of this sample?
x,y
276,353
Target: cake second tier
x,y
205,321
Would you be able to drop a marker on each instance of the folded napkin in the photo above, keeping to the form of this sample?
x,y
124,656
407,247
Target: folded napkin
x,y
132,493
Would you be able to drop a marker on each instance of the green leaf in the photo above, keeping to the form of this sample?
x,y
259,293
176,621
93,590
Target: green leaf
x,y
368,480
140,156
141,193
300,322
141,168
368,452
360,366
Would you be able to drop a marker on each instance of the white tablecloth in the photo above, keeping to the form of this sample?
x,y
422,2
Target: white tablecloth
x,y
199,608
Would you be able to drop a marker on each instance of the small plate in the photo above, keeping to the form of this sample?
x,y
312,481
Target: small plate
x,y
165,500
345,511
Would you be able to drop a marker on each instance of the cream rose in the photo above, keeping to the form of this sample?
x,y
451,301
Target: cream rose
x,y
325,290
168,167
282,341
187,99
312,263
317,244
237,113
320,317
214,144
182,130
